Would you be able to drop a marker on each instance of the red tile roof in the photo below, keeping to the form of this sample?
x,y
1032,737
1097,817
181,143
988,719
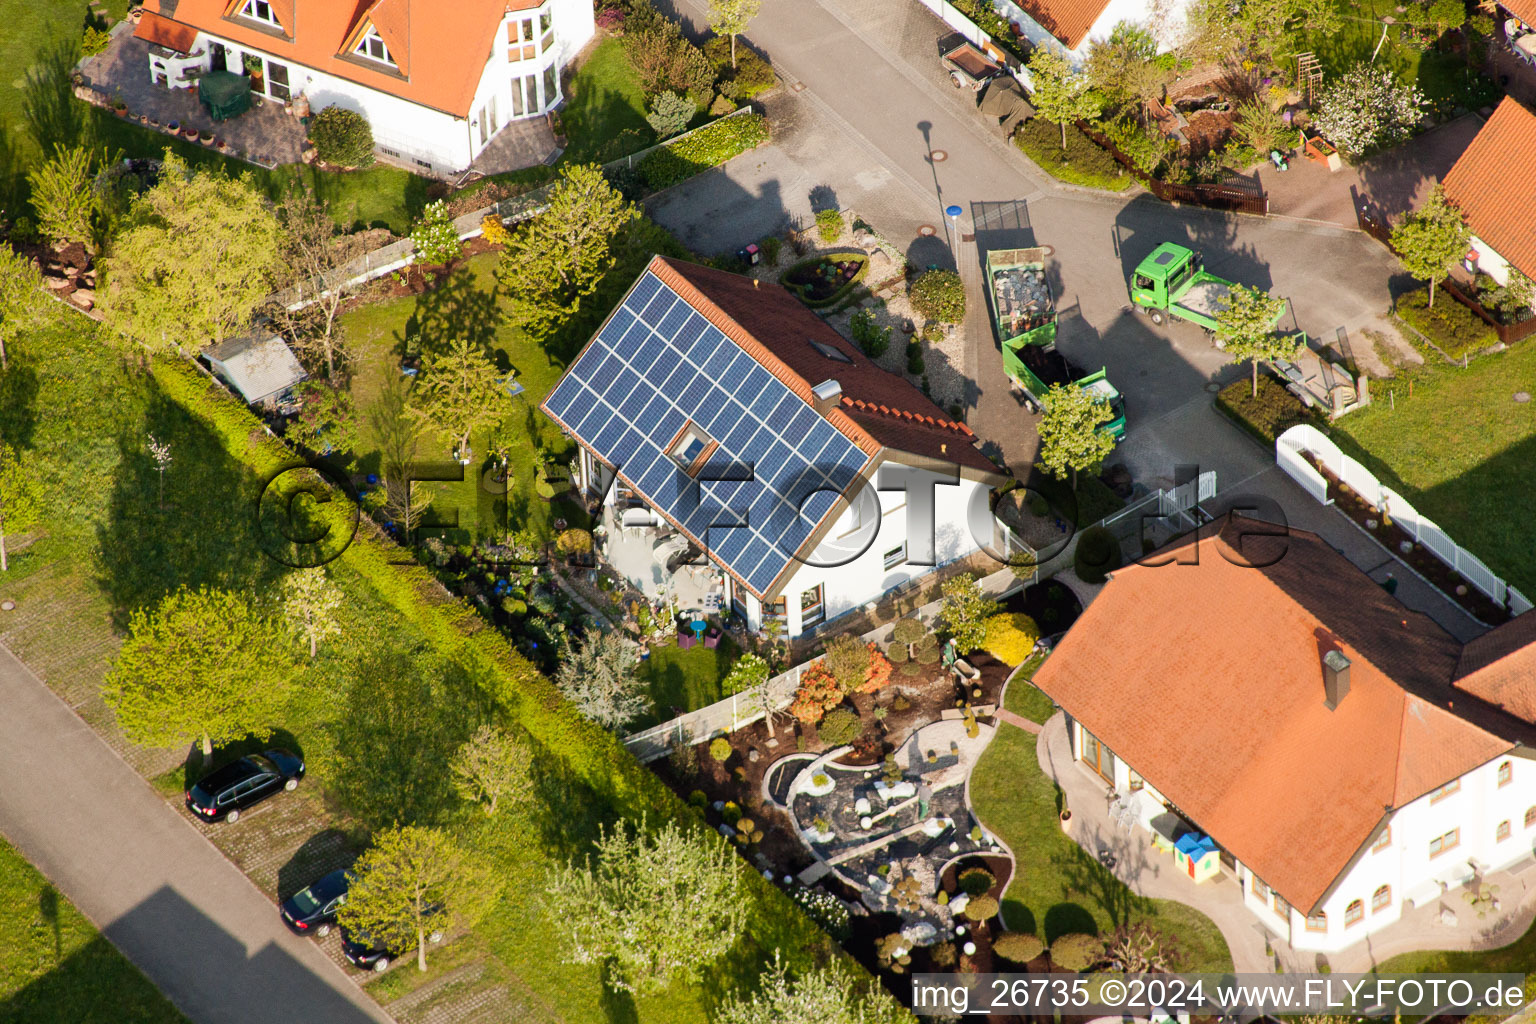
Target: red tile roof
x,y
1493,185
879,409
155,29
1525,10
440,48
1207,679
1500,667
1067,20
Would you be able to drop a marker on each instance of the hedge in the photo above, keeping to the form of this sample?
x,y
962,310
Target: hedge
x,y
342,137
1266,417
708,147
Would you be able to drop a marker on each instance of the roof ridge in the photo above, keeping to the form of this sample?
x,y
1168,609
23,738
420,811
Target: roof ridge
x,y
926,419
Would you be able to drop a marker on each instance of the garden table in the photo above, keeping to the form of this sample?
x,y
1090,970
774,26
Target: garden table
x,y
1526,44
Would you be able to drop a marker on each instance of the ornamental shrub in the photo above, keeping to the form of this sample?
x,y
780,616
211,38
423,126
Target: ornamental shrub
x,y
1011,637
698,799
981,908
1097,555
908,631
1017,947
976,881
720,748
436,239
829,224
342,137
818,693
826,910
939,295
847,658
670,114
1368,107
731,812
1076,952
493,230
870,337
878,676
708,147
839,727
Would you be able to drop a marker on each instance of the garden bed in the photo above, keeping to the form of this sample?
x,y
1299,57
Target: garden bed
x,y
823,280
1083,162
1449,326
1266,417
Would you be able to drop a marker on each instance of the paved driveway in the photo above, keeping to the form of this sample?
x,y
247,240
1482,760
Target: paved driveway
x,y
155,887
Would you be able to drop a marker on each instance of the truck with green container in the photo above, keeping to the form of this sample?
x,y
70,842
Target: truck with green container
x,y
1024,316
1172,282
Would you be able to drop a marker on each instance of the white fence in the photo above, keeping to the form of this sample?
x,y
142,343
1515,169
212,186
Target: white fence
x,y
1289,449
723,716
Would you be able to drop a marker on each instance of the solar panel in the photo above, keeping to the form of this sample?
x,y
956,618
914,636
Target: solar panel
x,y
657,365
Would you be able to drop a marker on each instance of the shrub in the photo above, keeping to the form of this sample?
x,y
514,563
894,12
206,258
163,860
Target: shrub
x,y
1017,947
826,910
939,295
870,337
981,908
708,147
720,748
574,541
749,671
1261,128
839,727
436,239
626,180
1266,417
897,653
1368,107
1076,952
493,230
964,613
914,358
818,693
976,881
1097,555
731,812
1147,148
943,955
94,41
698,799
1451,327
908,631
770,246
1083,162
1011,637
342,137
878,675
670,114
847,658
829,224
665,59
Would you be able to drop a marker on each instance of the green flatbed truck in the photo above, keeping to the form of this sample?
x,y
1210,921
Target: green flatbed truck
x,y
1024,316
1172,281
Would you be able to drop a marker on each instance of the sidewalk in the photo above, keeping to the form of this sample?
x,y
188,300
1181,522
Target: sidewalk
x,y
157,889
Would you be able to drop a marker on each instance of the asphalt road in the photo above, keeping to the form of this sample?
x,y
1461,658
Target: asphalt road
x,y
156,888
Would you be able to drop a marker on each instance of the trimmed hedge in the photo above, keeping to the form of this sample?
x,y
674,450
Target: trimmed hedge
x,y
708,147
1083,162
1451,327
1097,554
1274,412
342,137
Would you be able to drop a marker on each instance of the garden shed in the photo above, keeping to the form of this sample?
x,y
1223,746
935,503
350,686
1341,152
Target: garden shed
x,y
225,94
260,367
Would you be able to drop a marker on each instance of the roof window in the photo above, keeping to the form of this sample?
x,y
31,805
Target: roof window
x,y
690,447
830,351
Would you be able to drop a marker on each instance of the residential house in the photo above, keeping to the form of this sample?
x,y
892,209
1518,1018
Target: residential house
x,y
1071,25
1492,185
725,411
436,81
1347,756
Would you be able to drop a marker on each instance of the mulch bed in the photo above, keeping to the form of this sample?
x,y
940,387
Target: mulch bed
x,y
419,278
1052,605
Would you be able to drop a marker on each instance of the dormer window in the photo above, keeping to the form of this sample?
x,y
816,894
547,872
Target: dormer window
x,y
372,46
690,448
260,10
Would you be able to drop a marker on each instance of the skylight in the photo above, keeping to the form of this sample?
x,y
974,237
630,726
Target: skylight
x,y
690,447
830,351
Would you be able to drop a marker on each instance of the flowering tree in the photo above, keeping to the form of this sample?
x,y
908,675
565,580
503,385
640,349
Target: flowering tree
x,y
821,996
1368,107
436,239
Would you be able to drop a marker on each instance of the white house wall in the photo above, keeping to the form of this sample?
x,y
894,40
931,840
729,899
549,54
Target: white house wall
x,y
1168,27
1490,262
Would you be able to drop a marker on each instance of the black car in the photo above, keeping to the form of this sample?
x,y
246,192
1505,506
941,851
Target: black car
x,y
314,909
361,950
225,792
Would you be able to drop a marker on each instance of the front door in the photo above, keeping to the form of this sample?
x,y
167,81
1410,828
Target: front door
x,y
1097,756
216,54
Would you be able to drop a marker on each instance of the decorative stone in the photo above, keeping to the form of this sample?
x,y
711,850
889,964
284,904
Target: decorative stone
x,y
959,928
1461,590
753,755
970,949
768,875
920,933
1405,547
7,605
1371,524
866,822
1522,397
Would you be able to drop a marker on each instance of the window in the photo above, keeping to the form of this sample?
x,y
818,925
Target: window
x,y
738,600
690,447
1318,922
551,87
830,351
1137,783
1260,890
372,45
812,610
1381,899
260,10
775,612
1143,282
277,80
1281,907
1502,832
1444,791
1530,817
1383,841
546,31
1354,913
1449,841
520,34
1506,772
895,556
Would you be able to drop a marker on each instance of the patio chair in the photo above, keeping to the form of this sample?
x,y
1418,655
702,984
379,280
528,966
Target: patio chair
x,y
712,638
685,641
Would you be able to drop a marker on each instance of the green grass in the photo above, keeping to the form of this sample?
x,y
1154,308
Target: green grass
x,y
1057,887
1461,451
1083,162
604,115
55,968
30,25
1024,698
686,679
1451,327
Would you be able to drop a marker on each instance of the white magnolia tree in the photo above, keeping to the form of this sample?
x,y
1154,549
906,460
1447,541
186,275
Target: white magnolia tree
x,y
1368,107
822,996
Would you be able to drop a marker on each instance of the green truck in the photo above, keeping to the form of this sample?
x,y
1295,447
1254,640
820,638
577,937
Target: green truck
x,y
1024,316
1172,281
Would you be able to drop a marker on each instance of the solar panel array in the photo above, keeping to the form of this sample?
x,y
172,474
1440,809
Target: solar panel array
x,y
658,364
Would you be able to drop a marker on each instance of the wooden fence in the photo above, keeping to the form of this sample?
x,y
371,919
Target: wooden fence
x,y
1233,197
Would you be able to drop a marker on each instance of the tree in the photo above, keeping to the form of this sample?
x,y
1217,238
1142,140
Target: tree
x,y
160,452
848,660
558,258
311,601
64,196
194,257
434,236
412,885
1060,94
342,137
825,995
1431,239
202,665
1260,126
731,17
660,906
403,503
20,497
1124,66
459,391
313,253
493,765
1263,30
964,611
23,305
1070,438
670,114
1367,107
1245,328
748,671
599,678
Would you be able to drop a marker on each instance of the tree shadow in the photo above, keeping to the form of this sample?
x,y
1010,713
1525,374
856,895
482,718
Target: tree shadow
x,y
456,308
1083,875
618,1005
194,766
18,399
48,910
317,857
823,197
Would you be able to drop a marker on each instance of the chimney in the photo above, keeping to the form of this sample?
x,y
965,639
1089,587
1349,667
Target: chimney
x,y
827,394
1335,678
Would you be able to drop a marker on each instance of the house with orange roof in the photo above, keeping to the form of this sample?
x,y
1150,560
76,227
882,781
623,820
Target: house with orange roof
x,y
1492,185
718,414
1339,757
1071,26
436,81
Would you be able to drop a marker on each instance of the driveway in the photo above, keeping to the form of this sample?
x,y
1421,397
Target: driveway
x,y
156,888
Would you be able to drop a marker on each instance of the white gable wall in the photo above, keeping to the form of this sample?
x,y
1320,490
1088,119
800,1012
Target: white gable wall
x,y
1168,24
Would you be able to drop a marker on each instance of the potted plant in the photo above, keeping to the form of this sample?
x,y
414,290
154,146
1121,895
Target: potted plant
x,y
174,126
1066,819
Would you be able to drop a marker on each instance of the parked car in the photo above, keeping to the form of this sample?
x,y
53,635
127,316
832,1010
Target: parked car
x,y
362,950
225,792
313,909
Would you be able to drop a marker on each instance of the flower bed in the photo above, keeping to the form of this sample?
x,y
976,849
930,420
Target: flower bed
x,y
823,280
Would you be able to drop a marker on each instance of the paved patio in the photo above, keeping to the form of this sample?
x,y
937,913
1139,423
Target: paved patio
x,y
519,144
1221,899
268,136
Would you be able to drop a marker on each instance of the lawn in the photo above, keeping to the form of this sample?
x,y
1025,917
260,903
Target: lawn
x,y
30,25
1024,698
604,114
1462,451
1057,888
682,680
55,968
